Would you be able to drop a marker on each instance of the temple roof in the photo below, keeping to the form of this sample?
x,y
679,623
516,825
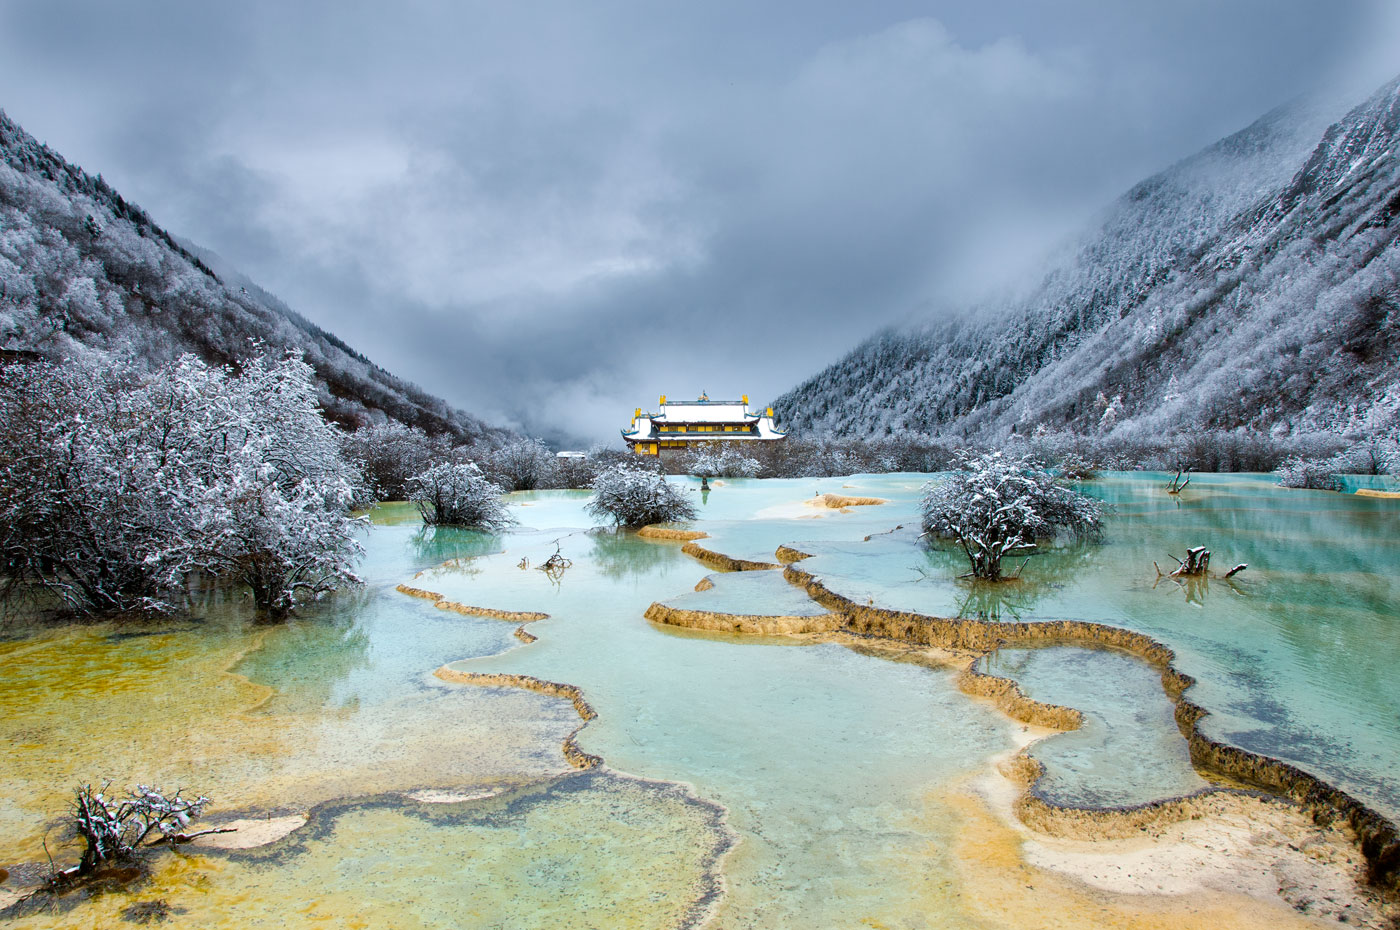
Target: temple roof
x,y
679,416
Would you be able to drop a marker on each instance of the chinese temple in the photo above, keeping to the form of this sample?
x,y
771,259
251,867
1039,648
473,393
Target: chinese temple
x,y
683,423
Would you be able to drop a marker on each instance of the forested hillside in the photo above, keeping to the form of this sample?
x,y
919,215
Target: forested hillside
x,y
82,270
1252,285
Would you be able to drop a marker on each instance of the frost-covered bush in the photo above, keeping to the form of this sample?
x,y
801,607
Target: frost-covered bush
x,y
116,485
389,454
995,504
720,460
520,465
93,501
114,828
278,491
576,471
1076,467
1375,455
1318,475
633,496
450,494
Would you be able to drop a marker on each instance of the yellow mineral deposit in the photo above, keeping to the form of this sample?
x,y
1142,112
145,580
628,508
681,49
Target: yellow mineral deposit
x,y
666,532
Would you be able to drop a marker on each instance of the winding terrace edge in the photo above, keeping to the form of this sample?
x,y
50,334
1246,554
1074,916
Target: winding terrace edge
x,y
442,603
576,756
1377,837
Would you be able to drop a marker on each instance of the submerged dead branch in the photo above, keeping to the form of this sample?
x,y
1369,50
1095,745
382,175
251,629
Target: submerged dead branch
x,y
1193,574
554,566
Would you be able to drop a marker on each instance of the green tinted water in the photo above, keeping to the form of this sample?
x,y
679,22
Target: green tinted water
x,y
828,764
1295,657
1127,752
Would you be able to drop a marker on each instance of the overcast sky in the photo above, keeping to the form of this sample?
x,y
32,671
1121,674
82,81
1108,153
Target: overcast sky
x,y
550,213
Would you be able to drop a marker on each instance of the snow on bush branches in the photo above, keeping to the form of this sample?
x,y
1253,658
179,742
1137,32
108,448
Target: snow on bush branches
x,y
450,494
632,496
995,504
1299,472
114,828
116,485
719,460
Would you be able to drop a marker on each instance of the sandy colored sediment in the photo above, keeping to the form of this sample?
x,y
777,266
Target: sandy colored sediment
x,y
249,833
741,623
435,796
1012,701
1373,492
787,555
528,682
663,532
442,603
725,563
576,756
842,501
1242,862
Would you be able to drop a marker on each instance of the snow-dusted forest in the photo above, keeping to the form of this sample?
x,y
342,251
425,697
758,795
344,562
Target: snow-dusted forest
x,y
1254,286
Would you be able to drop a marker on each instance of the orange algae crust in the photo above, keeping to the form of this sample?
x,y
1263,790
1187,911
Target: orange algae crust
x,y
1006,891
1373,492
442,603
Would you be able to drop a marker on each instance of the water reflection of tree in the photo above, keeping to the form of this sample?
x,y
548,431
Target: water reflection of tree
x,y
305,659
1196,588
433,545
620,553
1046,570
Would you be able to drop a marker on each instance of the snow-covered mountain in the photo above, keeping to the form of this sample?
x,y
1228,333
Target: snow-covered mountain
x,y
82,270
1254,284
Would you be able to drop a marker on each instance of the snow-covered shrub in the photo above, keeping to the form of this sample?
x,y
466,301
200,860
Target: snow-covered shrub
x,y
633,496
98,485
1076,467
389,454
994,504
520,465
575,471
116,485
1371,456
275,489
1319,475
458,495
114,828
719,460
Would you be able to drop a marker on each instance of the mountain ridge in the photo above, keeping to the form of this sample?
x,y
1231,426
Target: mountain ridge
x,y
82,269
1294,212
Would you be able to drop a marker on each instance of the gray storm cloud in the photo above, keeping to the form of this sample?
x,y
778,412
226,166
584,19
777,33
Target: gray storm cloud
x,y
550,213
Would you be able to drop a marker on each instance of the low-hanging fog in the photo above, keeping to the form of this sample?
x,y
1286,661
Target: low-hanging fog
x,y
551,213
